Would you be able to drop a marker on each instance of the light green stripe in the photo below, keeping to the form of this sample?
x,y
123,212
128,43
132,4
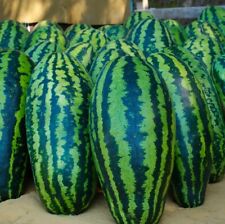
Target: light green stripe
x,y
36,92
165,152
12,37
76,113
103,147
38,51
144,27
119,134
158,35
4,70
144,82
4,29
179,110
184,126
60,131
94,133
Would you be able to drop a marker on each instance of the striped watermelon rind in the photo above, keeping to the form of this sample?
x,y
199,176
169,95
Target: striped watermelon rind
x,y
132,140
15,71
57,134
193,136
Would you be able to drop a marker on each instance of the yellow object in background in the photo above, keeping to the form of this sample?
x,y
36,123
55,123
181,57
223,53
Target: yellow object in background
x,y
95,12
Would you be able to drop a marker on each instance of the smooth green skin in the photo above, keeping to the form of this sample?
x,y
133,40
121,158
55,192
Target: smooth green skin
x,y
15,71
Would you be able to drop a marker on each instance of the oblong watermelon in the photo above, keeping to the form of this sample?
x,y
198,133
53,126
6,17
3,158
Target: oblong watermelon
x,y
206,82
15,71
193,130
57,134
132,129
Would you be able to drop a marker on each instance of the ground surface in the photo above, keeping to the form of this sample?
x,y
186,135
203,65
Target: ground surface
x,y
29,210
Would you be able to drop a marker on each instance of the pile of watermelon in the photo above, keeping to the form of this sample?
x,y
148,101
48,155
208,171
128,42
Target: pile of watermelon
x,y
138,107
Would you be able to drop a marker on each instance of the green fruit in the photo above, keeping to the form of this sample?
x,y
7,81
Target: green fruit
x,y
15,70
114,32
213,102
95,37
135,18
150,35
111,51
13,35
83,52
57,134
193,130
46,31
132,130
176,30
43,48
205,49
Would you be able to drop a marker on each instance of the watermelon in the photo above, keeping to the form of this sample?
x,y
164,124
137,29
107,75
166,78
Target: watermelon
x,y
214,15
15,71
57,134
193,130
74,29
150,35
110,51
132,131
218,73
206,49
43,48
114,32
96,37
215,109
197,28
46,30
13,35
176,30
135,18
83,52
